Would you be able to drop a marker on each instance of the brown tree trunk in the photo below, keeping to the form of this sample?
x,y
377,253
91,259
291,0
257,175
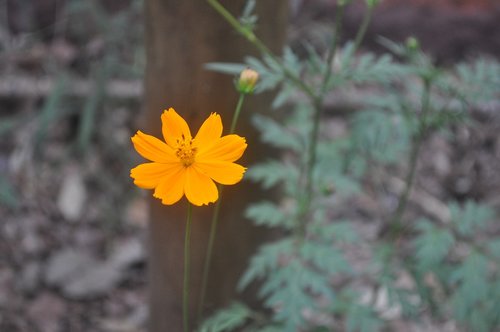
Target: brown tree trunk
x,y
181,36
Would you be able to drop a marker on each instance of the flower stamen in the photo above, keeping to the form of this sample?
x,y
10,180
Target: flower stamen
x,y
185,151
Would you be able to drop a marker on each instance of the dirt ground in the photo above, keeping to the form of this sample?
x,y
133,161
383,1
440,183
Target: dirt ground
x,y
72,226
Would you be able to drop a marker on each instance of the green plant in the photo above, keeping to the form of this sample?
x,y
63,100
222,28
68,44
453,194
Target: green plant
x,y
307,274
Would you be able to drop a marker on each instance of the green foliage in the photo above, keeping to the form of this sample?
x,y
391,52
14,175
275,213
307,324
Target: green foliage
x,y
471,218
324,256
475,290
225,68
265,260
330,170
283,96
248,19
271,173
276,135
287,292
340,231
381,136
452,273
494,247
362,318
292,276
470,280
227,319
477,81
268,328
270,73
472,277
268,214
369,68
432,245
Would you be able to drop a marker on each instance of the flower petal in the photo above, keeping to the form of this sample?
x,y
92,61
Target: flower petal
x,y
199,188
153,149
149,175
209,132
171,187
227,148
222,172
174,127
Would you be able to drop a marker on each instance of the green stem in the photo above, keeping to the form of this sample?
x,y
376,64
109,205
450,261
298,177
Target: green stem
x,y
215,219
395,225
318,110
333,48
237,112
252,38
364,26
312,155
208,257
185,310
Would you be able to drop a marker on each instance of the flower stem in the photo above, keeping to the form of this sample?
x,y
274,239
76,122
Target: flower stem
x,y
208,257
185,310
237,112
215,219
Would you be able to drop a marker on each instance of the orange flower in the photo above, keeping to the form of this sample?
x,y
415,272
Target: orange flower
x,y
185,165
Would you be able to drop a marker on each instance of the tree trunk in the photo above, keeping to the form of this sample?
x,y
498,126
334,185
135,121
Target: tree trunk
x,y
181,36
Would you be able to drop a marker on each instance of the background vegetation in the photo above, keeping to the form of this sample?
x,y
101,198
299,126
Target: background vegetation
x,y
444,267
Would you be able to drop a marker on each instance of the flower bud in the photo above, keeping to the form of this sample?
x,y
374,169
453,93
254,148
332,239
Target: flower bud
x,y
412,44
247,81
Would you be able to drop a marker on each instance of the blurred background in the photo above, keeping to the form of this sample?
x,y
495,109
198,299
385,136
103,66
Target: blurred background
x,y
72,225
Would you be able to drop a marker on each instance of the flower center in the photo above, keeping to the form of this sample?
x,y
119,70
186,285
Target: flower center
x,y
185,151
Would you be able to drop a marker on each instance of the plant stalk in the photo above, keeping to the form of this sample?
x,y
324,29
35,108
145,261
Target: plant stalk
x,y
208,256
187,238
318,110
395,225
215,219
362,29
237,112
332,50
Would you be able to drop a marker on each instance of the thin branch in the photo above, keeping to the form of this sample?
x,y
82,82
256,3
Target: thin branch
x,y
333,48
362,29
395,224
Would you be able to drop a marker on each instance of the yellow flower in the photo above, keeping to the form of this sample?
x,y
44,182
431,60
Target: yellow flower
x,y
183,165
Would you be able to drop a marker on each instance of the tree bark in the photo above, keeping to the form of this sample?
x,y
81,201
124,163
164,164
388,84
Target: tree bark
x,y
181,36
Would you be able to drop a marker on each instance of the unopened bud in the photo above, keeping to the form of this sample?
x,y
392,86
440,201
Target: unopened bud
x,y
247,81
412,44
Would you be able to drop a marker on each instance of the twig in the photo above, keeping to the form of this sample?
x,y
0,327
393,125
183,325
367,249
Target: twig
x,y
395,225
364,26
